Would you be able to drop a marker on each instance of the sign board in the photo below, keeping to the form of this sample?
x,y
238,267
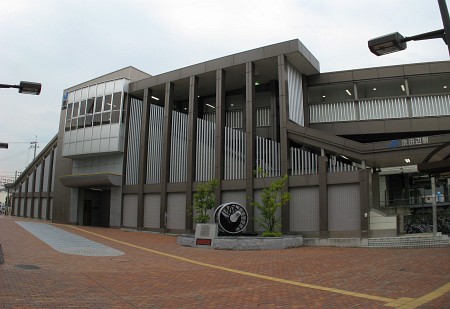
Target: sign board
x,y
205,234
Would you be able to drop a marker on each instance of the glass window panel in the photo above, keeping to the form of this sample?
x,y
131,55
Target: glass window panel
x,y
84,93
75,109
331,93
90,106
98,104
118,85
97,119
116,101
100,89
115,117
106,117
67,128
107,104
83,108
429,85
381,88
70,97
89,121
80,122
92,91
73,124
109,88
77,95
69,111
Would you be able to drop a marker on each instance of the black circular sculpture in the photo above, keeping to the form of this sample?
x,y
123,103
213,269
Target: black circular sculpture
x,y
231,218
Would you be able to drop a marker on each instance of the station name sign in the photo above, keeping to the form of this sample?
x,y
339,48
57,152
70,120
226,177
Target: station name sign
x,y
414,141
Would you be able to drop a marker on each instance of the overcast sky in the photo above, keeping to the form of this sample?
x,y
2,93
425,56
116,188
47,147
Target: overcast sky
x,y
61,43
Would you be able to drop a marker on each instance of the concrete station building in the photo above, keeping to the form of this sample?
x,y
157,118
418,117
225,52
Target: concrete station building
x,y
132,147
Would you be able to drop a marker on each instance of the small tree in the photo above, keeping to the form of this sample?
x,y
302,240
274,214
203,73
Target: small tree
x,y
272,198
204,199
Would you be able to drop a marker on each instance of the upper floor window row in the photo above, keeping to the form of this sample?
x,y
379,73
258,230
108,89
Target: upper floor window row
x,y
381,88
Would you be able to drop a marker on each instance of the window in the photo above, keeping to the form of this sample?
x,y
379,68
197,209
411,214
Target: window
x,y
89,119
75,109
107,104
115,116
83,108
81,122
90,106
331,93
69,111
116,101
97,119
106,118
98,104
426,85
381,88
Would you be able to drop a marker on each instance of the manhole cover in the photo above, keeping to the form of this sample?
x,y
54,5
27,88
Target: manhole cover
x,y
28,267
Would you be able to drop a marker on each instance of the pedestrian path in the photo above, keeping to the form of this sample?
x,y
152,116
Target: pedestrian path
x,y
66,242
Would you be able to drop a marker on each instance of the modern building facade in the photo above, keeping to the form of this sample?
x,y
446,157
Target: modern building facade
x,y
132,148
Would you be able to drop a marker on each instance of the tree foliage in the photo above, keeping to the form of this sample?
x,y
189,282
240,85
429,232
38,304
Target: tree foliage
x,y
204,200
272,198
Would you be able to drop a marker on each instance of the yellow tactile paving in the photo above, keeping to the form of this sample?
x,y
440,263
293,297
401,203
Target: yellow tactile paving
x,y
403,302
427,297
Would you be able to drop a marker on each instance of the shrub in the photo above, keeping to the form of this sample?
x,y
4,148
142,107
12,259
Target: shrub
x,y
272,198
204,200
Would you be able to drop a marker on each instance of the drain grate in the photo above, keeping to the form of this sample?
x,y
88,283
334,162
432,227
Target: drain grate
x,y
27,267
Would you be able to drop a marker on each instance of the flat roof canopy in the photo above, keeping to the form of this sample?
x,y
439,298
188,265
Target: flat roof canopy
x,y
438,162
91,180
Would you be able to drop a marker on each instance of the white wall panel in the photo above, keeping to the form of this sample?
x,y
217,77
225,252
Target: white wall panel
x,y
295,88
178,151
134,142
344,211
304,209
176,211
130,207
152,204
155,144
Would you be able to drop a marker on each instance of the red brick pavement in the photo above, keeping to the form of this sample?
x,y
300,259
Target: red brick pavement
x,y
143,279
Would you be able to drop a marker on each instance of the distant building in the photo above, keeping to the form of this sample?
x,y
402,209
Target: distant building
x,y
131,147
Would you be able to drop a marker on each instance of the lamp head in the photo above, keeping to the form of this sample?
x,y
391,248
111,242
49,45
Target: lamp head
x,y
387,44
30,88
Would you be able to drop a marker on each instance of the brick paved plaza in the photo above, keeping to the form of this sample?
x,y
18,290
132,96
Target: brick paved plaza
x,y
155,272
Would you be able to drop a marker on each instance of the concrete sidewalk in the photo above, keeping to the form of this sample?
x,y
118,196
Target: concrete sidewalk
x,y
155,272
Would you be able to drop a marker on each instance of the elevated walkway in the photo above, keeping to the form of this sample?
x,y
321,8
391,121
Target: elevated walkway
x,y
385,153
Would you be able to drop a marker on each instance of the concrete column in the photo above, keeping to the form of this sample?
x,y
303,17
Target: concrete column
x,y
434,206
191,147
250,128
165,164
127,100
49,184
274,112
220,132
25,208
323,197
143,154
284,143
365,178
41,186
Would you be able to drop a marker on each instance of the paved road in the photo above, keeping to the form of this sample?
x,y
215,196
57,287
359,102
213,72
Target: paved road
x,y
154,272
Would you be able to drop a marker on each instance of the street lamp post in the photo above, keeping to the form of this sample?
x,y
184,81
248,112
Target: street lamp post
x,y
25,87
395,42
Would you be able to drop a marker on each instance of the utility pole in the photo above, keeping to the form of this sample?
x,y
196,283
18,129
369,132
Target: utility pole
x,y
34,144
